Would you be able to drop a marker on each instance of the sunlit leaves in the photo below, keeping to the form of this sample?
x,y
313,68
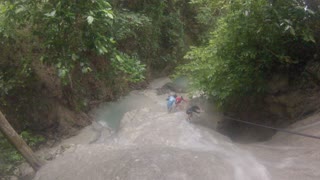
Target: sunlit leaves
x,y
51,14
90,19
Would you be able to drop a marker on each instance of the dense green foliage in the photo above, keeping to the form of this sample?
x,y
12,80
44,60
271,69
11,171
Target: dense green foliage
x,y
155,31
131,36
77,52
251,40
65,32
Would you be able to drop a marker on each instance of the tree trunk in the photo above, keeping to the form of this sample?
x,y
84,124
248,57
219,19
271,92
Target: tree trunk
x,y
19,143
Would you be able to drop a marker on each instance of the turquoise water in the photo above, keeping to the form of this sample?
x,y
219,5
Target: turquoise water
x,y
111,113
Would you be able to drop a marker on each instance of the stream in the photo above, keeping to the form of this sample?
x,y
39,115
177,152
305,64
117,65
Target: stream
x,y
141,141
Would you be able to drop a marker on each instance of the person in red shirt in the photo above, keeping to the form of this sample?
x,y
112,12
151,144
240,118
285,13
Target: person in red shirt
x,y
178,102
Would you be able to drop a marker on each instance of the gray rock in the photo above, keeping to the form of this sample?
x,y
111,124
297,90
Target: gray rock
x,y
11,178
156,145
278,83
170,87
16,172
26,172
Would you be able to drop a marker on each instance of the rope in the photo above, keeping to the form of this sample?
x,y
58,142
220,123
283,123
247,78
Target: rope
x,y
277,129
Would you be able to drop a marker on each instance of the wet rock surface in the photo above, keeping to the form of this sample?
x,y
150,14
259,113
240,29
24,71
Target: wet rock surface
x,y
156,145
152,144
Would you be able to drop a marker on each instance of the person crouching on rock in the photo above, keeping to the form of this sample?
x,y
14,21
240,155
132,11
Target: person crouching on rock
x,y
191,110
170,102
178,102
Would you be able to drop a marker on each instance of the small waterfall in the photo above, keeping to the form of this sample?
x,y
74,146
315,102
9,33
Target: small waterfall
x,y
149,143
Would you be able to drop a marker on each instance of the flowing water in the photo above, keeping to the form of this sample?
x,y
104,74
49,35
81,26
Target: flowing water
x,y
111,113
148,143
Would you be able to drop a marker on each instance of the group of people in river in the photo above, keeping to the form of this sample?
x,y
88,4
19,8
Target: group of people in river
x,y
174,103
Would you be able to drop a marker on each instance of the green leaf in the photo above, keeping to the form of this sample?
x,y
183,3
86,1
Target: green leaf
x,y
41,59
292,31
74,57
51,14
308,36
90,19
310,11
110,15
20,9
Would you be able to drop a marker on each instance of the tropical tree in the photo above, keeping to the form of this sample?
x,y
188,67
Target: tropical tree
x,y
249,42
68,34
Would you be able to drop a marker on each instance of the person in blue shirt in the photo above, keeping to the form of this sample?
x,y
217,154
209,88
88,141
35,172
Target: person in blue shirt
x,y
170,102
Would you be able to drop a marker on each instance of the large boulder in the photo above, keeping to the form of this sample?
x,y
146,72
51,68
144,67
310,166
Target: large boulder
x,y
171,87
